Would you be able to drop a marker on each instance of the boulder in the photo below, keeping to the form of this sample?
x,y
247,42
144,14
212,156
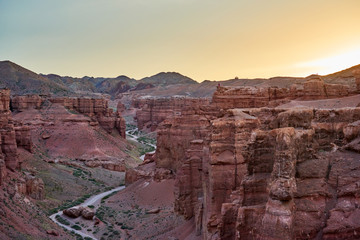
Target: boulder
x,y
88,213
73,212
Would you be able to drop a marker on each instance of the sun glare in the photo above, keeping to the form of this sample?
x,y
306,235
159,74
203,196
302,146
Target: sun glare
x,y
332,64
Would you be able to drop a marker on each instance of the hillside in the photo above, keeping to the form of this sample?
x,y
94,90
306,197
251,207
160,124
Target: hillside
x,y
168,78
24,81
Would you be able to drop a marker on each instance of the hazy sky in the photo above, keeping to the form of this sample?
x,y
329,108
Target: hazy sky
x,y
203,39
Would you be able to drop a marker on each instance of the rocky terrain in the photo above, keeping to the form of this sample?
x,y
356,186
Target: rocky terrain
x,y
265,163
152,111
56,152
242,159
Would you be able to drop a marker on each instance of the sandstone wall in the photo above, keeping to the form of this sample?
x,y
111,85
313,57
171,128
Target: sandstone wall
x,y
13,135
152,111
175,134
316,88
256,97
97,109
250,97
21,103
265,173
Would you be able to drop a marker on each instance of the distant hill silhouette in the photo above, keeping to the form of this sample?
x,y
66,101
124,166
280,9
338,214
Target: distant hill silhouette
x,y
23,81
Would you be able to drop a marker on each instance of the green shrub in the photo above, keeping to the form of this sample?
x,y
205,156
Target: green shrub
x,y
76,227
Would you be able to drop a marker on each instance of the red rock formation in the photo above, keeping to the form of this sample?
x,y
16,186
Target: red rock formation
x,y
152,111
120,107
175,134
4,100
35,188
252,97
255,97
96,109
21,103
147,171
13,135
7,132
316,88
264,173
23,137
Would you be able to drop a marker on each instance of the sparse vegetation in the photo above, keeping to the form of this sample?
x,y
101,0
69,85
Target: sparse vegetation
x,y
76,227
62,220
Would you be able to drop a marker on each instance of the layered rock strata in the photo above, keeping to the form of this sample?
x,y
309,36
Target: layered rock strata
x,y
7,132
97,109
255,97
316,88
265,173
13,135
21,103
152,111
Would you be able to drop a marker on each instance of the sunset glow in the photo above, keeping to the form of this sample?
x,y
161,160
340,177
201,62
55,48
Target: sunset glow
x,y
203,39
333,64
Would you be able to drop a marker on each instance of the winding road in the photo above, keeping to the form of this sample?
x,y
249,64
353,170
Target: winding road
x,y
95,200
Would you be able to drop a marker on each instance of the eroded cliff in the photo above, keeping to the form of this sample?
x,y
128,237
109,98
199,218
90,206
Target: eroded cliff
x,y
246,170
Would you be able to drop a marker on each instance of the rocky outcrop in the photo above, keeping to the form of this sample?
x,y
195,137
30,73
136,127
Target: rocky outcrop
x,y
23,137
147,171
174,135
251,97
76,212
264,173
73,212
21,103
98,110
13,135
88,213
7,132
256,97
316,88
153,111
35,188
31,186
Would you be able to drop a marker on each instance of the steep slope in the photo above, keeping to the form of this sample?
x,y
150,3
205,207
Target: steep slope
x,y
23,81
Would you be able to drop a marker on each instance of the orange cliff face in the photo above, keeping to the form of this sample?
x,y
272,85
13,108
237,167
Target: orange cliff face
x,y
95,108
261,172
152,111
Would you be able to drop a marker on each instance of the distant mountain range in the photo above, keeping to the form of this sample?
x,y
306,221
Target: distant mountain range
x,y
23,81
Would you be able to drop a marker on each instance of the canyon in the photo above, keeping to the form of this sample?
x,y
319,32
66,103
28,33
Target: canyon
x,y
244,159
257,163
